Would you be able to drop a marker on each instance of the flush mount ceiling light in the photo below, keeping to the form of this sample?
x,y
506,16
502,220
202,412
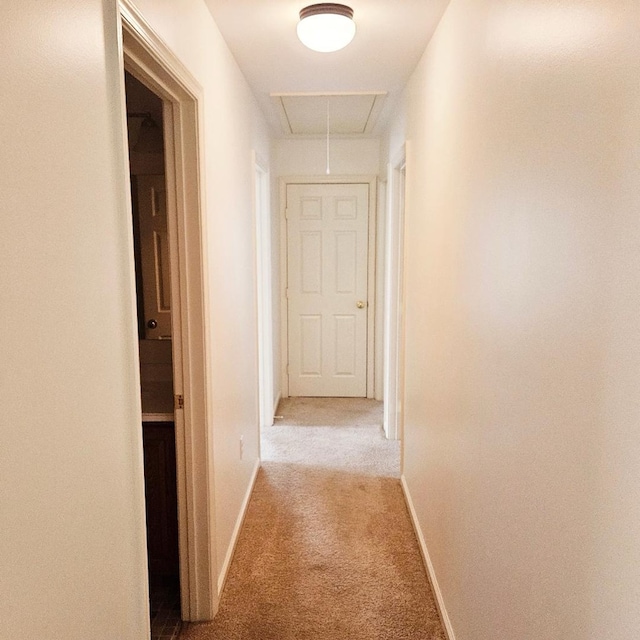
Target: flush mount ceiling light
x,y
326,27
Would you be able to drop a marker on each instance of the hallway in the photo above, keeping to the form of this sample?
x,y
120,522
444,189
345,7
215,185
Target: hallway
x,y
327,549
500,140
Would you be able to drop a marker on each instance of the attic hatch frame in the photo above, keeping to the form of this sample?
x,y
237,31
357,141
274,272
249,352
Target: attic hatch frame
x,y
374,111
149,60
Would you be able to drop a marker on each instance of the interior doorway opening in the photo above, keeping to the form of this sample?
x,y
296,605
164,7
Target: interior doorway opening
x,y
153,297
149,61
328,235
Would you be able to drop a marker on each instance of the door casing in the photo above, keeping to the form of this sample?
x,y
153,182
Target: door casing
x,y
264,302
147,58
394,299
371,270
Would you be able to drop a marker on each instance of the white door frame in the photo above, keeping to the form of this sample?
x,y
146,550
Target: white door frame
x,y
394,298
147,58
264,301
371,269
381,235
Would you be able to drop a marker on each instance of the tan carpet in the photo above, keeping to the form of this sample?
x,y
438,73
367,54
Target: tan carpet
x,y
327,551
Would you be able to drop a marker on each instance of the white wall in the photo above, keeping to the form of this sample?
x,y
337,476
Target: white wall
x,y
522,453
72,555
73,550
233,128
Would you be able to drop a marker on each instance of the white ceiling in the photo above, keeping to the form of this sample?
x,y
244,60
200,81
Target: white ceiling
x,y
391,36
340,113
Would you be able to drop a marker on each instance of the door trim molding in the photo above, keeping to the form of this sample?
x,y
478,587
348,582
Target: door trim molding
x,y
264,287
394,297
381,234
147,57
370,180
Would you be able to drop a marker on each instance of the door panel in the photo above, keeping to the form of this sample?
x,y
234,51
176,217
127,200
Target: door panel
x,y
327,262
161,495
311,345
154,246
346,243
311,261
346,356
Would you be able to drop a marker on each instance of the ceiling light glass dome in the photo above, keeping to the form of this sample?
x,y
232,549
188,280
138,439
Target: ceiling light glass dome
x,y
326,27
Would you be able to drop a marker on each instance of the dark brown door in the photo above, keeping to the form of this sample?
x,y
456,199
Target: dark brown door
x,y
161,497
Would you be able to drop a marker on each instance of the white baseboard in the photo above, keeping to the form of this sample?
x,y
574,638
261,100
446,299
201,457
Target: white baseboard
x,y
275,407
442,610
222,578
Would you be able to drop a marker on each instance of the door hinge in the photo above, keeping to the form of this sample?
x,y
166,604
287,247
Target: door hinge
x,y
179,402
286,214
287,293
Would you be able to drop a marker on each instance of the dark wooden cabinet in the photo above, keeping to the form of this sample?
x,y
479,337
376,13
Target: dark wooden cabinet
x,y
161,497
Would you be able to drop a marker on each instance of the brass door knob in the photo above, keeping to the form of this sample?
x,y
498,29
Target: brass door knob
x,y
361,304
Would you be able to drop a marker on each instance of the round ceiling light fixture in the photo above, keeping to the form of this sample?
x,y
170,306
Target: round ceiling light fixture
x,y
326,27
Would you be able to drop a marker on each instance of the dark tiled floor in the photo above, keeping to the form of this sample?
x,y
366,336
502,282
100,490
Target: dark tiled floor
x,y
165,609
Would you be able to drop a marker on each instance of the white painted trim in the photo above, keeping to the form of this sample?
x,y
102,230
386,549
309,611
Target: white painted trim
x,y
394,302
264,298
371,281
284,315
426,558
222,578
377,107
142,31
326,94
134,344
148,58
158,417
275,405
404,163
372,181
380,287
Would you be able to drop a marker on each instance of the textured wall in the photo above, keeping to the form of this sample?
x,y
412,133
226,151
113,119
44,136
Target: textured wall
x,y
72,555
233,127
71,497
523,316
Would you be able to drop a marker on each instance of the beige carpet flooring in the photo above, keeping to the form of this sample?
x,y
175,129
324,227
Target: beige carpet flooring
x,y
327,550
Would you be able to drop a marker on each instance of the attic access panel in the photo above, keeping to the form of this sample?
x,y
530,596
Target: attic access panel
x,y
349,113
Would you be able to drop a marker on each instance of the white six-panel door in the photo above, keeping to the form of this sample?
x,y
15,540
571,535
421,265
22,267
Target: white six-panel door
x,y
327,260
